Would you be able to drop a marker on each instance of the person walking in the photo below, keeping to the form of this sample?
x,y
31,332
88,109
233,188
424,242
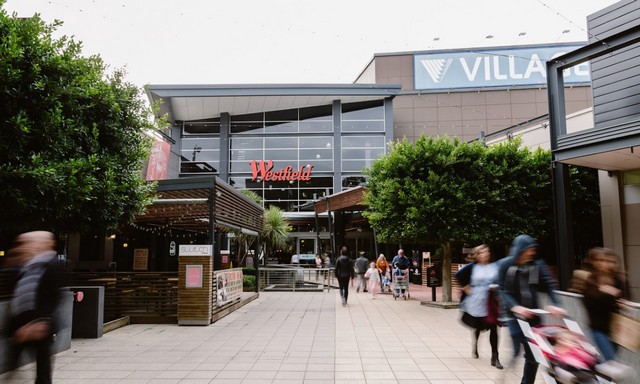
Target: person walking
x,y
478,280
602,290
521,276
344,272
361,266
373,276
383,266
403,263
36,296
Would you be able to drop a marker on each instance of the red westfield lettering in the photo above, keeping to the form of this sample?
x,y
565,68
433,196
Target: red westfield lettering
x,y
263,170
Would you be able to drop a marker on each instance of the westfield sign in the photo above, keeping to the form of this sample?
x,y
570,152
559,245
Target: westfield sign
x,y
263,170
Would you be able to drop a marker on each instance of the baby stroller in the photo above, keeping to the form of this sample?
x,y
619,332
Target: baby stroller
x,y
566,354
386,282
401,285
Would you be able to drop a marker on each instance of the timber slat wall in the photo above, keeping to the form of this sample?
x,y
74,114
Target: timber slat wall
x,y
195,303
146,297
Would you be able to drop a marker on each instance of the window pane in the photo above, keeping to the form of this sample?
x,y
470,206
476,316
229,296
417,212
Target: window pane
x,y
246,143
316,154
321,166
239,167
317,182
316,142
363,126
245,154
323,112
362,141
286,115
368,154
367,110
353,165
256,127
250,117
201,155
284,127
290,155
198,167
281,142
353,181
199,128
316,126
200,143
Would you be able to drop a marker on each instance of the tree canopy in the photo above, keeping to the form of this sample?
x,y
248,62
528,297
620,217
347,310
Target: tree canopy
x,y
72,142
440,191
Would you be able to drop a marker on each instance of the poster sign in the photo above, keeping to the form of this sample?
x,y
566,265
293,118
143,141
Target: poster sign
x,y
229,285
195,250
158,161
172,248
140,259
434,276
193,276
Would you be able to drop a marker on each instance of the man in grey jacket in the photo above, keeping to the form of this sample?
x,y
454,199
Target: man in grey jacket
x,y
361,266
521,277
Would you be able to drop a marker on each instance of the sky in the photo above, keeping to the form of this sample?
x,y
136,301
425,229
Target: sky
x,y
295,41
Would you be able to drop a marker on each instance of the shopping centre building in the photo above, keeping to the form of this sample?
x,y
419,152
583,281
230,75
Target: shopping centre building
x,y
293,144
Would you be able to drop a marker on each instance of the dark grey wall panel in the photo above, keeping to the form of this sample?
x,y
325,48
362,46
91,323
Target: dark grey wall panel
x,y
613,19
616,77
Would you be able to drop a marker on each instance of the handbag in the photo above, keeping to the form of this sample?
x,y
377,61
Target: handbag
x,y
493,309
35,330
625,331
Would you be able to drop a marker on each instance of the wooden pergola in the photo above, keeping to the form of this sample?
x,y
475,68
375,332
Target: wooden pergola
x,y
202,204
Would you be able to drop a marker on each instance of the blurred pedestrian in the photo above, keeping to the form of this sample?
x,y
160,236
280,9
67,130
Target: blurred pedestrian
x,y
602,289
478,280
36,296
521,277
361,266
344,272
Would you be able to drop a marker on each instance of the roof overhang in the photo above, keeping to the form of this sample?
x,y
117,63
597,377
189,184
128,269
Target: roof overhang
x,y
348,200
201,102
185,204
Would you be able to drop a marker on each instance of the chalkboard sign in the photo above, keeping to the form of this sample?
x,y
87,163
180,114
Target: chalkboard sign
x,y
434,276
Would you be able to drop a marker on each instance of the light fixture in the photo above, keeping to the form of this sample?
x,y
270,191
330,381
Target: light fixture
x,y
566,31
318,156
436,39
522,33
125,245
489,37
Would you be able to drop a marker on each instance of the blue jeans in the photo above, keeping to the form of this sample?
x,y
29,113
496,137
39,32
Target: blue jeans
x,y
530,363
604,344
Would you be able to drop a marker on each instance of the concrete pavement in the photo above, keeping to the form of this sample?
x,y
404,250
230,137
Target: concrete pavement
x,y
284,337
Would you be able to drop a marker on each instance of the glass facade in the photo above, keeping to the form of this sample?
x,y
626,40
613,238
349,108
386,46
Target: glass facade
x,y
287,143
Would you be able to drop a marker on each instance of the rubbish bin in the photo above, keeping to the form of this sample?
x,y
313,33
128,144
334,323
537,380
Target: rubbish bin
x,y
88,312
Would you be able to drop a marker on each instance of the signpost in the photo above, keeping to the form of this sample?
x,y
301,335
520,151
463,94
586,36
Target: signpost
x,y
434,278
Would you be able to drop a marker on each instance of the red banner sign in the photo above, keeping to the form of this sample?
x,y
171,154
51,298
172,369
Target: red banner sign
x,y
263,171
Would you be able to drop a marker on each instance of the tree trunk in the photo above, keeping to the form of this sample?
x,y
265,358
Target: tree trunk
x,y
446,273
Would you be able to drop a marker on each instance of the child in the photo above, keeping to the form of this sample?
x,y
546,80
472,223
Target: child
x,y
574,357
386,282
374,279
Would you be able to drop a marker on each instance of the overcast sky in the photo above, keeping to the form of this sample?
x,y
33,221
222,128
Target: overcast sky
x,y
295,41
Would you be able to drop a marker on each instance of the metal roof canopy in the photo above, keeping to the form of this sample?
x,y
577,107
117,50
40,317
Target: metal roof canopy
x,y
201,102
185,204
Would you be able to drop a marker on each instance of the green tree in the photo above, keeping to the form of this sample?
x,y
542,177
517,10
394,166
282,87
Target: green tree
x,y
72,143
442,191
276,230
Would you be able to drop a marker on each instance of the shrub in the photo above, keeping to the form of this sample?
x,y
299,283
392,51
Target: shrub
x,y
248,283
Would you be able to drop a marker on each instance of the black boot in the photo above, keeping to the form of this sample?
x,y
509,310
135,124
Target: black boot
x,y
474,344
495,362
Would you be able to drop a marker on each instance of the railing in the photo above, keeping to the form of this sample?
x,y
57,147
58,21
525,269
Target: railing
x,y
295,278
146,297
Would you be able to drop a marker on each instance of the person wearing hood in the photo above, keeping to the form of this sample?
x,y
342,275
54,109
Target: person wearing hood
x,y
521,276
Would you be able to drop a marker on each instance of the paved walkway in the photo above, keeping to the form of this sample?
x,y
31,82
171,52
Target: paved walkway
x,y
284,337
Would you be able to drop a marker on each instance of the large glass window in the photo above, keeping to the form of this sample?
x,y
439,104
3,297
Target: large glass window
x,y
363,117
360,151
308,120
201,127
200,155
